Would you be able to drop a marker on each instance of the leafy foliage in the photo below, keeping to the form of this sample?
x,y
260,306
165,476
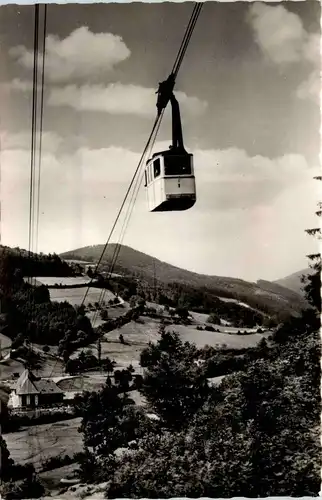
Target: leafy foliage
x,y
312,285
257,435
173,383
30,487
32,264
84,361
42,321
110,421
5,460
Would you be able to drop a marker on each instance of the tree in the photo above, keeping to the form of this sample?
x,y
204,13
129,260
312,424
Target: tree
x,y
5,461
182,312
173,384
312,282
31,487
252,437
81,311
102,415
214,318
104,314
122,379
108,365
18,341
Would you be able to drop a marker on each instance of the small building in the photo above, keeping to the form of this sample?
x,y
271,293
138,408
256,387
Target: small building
x,y
33,392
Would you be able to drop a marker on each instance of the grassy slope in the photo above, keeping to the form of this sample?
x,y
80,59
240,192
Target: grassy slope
x,y
137,335
76,295
40,442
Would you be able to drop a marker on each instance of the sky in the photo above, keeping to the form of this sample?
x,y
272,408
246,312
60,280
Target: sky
x,y
248,89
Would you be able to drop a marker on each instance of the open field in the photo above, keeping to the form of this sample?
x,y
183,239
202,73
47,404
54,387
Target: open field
x,y
56,280
40,442
76,295
113,312
137,335
51,367
90,382
217,339
75,261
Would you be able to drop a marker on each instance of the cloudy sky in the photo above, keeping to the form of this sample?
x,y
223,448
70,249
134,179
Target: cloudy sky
x,y
249,94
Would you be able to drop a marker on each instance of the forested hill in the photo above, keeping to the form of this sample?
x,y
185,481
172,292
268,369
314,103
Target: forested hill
x,y
274,301
17,259
293,281
274,287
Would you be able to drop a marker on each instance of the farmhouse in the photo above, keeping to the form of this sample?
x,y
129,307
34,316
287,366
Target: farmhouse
x,y
32,391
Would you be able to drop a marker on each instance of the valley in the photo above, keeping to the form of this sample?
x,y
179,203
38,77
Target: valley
x,y
120,322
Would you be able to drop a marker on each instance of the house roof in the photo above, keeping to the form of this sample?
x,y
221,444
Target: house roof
x,y
27,383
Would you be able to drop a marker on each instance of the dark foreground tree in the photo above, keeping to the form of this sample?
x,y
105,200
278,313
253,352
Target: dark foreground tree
x,y
173,384
6,463
259,436
312,282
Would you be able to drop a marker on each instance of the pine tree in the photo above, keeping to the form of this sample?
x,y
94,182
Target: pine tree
x,y
312,282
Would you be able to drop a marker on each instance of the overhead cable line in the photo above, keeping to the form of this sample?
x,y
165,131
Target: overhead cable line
x,y
121,208
33,131
186,39
132,202
41,121
130,208
174,73
175,70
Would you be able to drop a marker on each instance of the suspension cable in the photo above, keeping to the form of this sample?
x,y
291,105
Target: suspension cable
x,y
121,208
33,129
133,199
130,208
175,70
41,121
186,39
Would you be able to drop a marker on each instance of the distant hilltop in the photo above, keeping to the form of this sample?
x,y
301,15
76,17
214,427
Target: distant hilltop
x,y
293,281
266,296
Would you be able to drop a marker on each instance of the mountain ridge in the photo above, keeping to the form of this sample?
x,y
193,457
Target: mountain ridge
x,y
293,281
263,295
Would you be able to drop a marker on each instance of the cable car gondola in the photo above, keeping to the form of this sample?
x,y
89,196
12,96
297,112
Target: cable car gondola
x,y
169,175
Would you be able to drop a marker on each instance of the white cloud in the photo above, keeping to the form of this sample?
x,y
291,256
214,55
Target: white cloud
x,y
235,165
281,36
80,55
22,141
117,98
18,85
248,208
279,33
311,88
